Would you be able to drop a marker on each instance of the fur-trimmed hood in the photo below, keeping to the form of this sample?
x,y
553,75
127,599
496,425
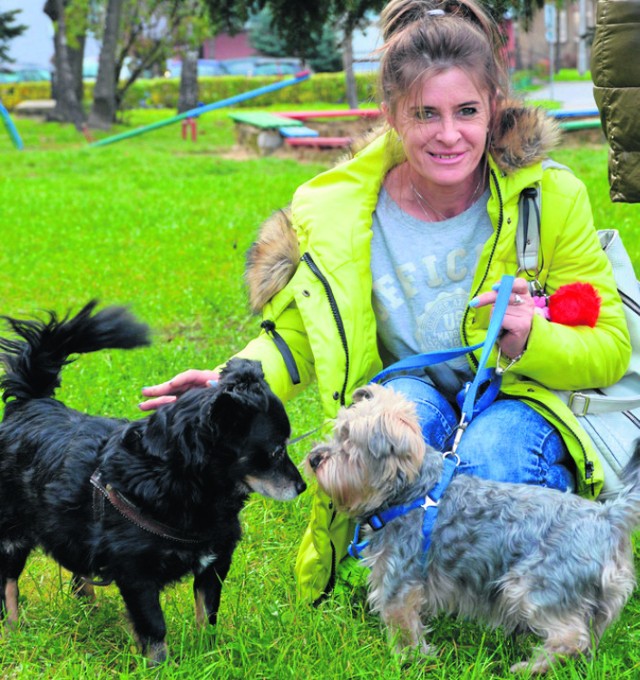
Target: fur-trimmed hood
x,y
522,137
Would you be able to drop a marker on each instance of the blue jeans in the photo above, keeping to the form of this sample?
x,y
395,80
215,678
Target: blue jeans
x,y
508,441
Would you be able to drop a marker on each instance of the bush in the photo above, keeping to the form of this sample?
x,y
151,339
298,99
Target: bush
x,y
324,88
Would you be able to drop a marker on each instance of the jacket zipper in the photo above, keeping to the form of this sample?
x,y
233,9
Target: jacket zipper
x,y
345,346
465,339
588,465
336,316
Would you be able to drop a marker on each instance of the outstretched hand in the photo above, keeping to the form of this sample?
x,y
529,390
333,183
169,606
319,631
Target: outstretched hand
x,y
169,391
518,318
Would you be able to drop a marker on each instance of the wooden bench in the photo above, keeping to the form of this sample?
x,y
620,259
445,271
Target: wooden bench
x,y
263,120
319,142
302,131
333,113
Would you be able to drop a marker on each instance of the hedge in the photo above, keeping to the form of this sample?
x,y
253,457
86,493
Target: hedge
x,y
326,88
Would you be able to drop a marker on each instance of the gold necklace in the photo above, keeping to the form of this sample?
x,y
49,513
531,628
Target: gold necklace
x,y
422,201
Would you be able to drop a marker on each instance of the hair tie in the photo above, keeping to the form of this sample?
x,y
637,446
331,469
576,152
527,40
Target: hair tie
x,y
435,12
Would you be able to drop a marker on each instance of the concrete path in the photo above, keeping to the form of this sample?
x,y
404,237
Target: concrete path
x,y
574,96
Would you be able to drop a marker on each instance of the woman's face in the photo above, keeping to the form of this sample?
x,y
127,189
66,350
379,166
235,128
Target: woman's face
x,y
443,127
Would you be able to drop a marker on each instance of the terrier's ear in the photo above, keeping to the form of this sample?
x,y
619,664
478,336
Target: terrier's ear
x,y
362,393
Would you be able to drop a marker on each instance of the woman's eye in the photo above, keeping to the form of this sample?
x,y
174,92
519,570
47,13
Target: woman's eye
x,y
469,111
423,114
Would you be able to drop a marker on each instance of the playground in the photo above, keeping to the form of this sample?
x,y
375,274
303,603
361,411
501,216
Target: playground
x,y
161,221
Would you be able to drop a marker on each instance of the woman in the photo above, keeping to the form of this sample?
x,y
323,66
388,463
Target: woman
x,y
396,252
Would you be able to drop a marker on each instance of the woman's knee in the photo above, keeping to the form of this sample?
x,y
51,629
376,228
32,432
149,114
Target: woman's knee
x,y
511,442
437,417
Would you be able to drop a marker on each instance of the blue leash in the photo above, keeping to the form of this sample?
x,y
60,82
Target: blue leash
x,y
470,406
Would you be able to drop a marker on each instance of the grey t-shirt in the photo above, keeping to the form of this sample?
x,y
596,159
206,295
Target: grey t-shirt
x,y
422,275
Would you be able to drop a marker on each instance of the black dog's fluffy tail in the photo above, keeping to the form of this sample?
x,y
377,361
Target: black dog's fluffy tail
x,y
33,362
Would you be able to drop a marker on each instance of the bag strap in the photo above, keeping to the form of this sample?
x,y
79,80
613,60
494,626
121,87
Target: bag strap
x,y
529,218
528,231
590,404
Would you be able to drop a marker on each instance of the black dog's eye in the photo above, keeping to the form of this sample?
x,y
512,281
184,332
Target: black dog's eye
x,y
278,452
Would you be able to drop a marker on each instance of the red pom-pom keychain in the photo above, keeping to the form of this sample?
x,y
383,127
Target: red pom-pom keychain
x,y
576,304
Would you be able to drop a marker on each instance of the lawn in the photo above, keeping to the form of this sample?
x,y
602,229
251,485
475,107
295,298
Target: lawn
x,y
162,224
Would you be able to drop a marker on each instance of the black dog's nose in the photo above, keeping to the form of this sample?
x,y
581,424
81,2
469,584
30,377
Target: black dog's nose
x,y
301,486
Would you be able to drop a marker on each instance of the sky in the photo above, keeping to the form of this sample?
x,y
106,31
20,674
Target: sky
x,y
35,45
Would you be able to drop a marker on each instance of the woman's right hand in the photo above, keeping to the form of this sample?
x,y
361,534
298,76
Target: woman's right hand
x,y
169,391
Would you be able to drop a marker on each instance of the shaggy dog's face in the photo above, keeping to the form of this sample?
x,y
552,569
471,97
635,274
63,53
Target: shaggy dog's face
x,y
376,450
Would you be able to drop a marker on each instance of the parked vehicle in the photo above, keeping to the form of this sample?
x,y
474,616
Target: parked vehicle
x,y
23,74
242,66
206,67
262,66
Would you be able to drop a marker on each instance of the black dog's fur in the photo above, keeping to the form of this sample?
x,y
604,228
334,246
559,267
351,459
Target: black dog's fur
x,y
191,466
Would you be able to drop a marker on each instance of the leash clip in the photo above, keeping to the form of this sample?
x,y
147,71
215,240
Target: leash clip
x,y
462,426
429,503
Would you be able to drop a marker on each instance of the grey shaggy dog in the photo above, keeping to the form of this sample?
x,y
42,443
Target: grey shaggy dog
x,y
526,558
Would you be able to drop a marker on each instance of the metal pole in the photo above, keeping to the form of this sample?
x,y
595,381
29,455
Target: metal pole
x,y
582,38
303,75
11,128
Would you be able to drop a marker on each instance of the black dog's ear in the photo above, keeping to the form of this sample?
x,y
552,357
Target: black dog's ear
x,y
229,414
240,372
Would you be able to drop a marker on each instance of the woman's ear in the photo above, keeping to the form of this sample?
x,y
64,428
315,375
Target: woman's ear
x,y
386,112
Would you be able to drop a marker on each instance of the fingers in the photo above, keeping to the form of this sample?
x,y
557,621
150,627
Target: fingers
x,y
181,383
516,324
519,295
152,404
168,391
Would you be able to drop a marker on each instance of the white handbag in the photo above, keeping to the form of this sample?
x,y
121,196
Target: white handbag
x,y
609,415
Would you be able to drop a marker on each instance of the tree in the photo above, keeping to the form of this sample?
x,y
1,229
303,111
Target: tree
x,y
189,34
68,106
323,56
103,109
8,31
300,24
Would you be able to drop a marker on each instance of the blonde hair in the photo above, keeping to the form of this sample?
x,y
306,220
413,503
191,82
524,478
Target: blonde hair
x,y
425,37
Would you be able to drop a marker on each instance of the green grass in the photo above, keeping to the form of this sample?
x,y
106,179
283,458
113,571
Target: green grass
x,y
163,224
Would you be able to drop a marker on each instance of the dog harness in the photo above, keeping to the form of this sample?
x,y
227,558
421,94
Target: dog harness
x,y
430,504
470,406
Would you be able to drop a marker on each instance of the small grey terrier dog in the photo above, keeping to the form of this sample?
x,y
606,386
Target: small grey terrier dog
x,y
526,558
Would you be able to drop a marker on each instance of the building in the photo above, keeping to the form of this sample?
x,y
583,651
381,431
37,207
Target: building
x,y
533,51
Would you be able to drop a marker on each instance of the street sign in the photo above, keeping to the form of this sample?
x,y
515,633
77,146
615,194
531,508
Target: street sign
x,y
550,34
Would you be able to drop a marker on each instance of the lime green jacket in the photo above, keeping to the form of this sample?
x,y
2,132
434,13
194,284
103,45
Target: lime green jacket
x,y
309,276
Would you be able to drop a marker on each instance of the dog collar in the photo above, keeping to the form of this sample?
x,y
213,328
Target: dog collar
x,y
131,512
430,503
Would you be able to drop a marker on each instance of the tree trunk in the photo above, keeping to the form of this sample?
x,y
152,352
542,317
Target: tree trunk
x,y
68,108
349,75
104,107
75,55
188,98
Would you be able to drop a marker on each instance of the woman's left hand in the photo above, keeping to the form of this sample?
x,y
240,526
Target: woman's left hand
x,y
518,318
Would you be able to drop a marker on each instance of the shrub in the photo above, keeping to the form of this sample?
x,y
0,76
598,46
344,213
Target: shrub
x,y
326,88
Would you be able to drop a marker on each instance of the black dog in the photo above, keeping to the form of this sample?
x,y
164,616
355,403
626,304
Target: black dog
x,y
139,503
